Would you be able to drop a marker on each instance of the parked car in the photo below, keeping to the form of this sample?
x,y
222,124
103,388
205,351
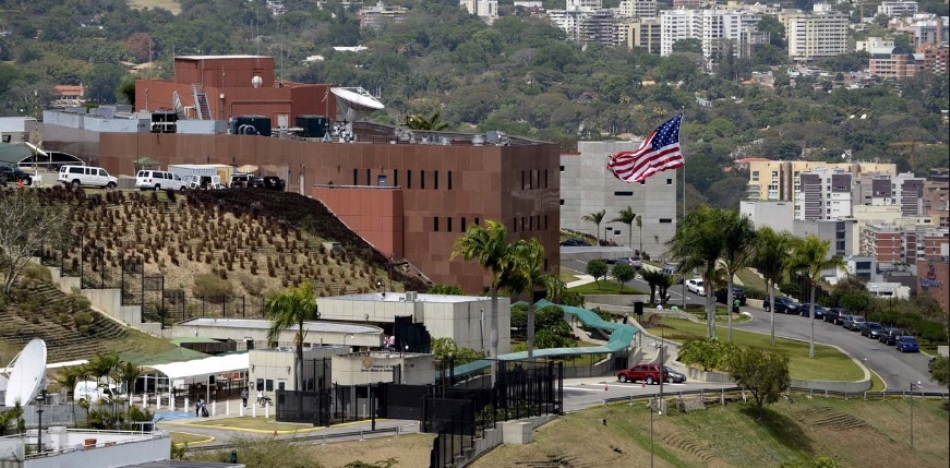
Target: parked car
x,y
675,377
737,293
634,261
890,335
273,183
649,373
854,322
574,242
14,174
783,305
242,181
805,310
833,314
907,344
86,175
871,329
696,286
159,180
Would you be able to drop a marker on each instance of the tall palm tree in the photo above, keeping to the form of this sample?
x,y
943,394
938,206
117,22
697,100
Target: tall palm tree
x,y
771,259
532,276
810,258
698,244
640,226
128,373
68,378
596,218
738,246
628,217
489,246
288,309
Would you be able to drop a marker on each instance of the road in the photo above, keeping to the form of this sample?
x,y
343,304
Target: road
x,y
676,292
585,393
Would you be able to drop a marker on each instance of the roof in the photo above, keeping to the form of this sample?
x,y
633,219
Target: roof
x,y
207,366
194,339
70,90
258,324
13,154
172,355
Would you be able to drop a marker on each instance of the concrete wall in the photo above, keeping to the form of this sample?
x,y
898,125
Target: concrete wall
x,y
373,367
121,454
495,437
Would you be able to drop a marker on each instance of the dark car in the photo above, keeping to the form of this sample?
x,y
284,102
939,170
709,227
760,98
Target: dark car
x,y
854,322
273,183
819,311
675,377
14,174
890,335
241,181
833,314
649,373
907,344
783,305
575,243
871,330
737,293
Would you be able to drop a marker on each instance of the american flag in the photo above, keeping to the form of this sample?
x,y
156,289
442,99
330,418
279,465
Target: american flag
x,y
659,152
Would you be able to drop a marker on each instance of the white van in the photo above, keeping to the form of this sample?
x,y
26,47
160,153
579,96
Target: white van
x,y
159,180
93,392
86,175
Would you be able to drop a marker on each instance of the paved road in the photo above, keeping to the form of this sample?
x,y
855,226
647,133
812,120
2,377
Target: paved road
x,y
593,391
676,292
898,370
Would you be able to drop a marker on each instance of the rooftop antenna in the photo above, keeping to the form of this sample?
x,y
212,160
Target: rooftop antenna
x,y
356,100
27,374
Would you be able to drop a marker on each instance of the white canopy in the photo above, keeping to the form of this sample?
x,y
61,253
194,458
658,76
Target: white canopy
x,y
208,366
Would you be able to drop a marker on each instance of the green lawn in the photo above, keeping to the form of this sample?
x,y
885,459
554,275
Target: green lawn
x,y
606,287
751,280
567,274
829,363
189,438
260,423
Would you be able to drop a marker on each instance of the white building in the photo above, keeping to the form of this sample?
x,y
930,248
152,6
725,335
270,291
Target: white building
x,y
587,186
70,447
487,10
926,28
874,43
811,36
889,290
637,9
778,215
714,28
584,25
894,9
823,194
904,190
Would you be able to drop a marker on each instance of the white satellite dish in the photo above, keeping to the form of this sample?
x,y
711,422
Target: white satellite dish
x,y
28,374
356,100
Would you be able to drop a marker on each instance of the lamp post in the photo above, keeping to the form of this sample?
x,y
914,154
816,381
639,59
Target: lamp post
x,y
913,387
40,399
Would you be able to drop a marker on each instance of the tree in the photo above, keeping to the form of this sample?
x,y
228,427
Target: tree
x,y
628,217
597,269
128,372
688,45
698,243
624,273
489,246
446,289
653,279
532,275
738,237
596,218
420,122
67,378
939,370
763,373
27,224
771,259
810,258
288,309
640,226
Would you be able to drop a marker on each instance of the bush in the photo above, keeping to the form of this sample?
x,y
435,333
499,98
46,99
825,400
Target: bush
x,y
34,273
709,354
572,298
211,287
82,321
253,285
752,293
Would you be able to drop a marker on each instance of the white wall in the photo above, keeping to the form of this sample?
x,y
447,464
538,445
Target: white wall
x,y
778,215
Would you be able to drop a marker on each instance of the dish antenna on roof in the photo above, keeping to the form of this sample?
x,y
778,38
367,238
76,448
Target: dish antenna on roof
x,y
356,100
28,374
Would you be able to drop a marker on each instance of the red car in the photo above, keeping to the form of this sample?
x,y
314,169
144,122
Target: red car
x,y
649,373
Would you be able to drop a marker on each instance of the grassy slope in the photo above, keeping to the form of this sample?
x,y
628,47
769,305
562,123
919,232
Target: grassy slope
x,y
856,433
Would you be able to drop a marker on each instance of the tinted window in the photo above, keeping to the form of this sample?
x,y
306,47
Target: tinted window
x,y
141,174
102,172
75,170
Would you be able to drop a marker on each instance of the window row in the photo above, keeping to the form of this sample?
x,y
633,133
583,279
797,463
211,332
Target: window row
x,y
382,180
529,223
532,179
447,224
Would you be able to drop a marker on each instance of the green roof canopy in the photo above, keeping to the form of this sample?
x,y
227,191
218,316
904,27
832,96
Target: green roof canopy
x,y
13,154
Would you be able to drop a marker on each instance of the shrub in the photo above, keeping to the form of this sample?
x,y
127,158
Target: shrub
x,y
212,287
36,274
752,293
254,286
82,321
709,354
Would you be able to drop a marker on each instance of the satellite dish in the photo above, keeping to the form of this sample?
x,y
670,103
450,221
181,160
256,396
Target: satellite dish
x,y
356,100
28,374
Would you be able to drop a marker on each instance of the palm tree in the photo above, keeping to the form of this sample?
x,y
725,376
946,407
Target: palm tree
x,y
128,373
68,378
654,278
596,218
640,226
287,309
532,276
420,122
738,236
489,246
810,258
628,217
698,244
772,255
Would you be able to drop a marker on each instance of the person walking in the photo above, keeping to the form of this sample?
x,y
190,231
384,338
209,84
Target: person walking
x,y
198,405
244,397
260,397
626,318
735,305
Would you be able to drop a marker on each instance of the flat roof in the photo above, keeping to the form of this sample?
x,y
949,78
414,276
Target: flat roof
x,y
219,57
317,327
401,297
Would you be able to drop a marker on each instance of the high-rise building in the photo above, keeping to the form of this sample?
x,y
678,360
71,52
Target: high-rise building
x,y
815,35
926,28
644,33
899,8
935,197
375,17
823,194
584,25
717,30
775,180
904,190
487,10
637,9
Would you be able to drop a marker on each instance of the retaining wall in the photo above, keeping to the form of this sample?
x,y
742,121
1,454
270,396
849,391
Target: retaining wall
x,y
495,437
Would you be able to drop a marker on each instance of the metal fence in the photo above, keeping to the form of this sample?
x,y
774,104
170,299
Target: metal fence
x,y
328,406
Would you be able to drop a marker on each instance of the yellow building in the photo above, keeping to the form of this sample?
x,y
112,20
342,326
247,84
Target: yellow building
x,y
778,180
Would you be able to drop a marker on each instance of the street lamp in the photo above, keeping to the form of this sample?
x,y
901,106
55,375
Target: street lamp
x,y
40,399
913,387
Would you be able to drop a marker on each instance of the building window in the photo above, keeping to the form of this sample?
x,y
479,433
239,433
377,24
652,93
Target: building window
x,y
409,178
545,222
436,182
368,176
448,224
514,224
669,181
755,176
422,179
435,224
522,180
562,202
450,180
562,168
623,194
665,220
531,223
395,177
478,222
463,225
545,178
356,175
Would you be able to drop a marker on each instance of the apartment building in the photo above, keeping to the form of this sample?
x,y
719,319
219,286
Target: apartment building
x,y
717,30
585,26
935,58
487,10
895,66
873,43
376,16
823,194
936,197
904,190
775,180
835,231
926,28
588,187
644,33
637,9
815,35
896,9
893,245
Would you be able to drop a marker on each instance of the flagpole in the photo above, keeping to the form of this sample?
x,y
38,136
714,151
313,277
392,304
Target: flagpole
x,y
684,202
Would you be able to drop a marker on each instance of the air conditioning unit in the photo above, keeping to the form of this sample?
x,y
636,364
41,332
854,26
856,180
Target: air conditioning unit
x,y
411,296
